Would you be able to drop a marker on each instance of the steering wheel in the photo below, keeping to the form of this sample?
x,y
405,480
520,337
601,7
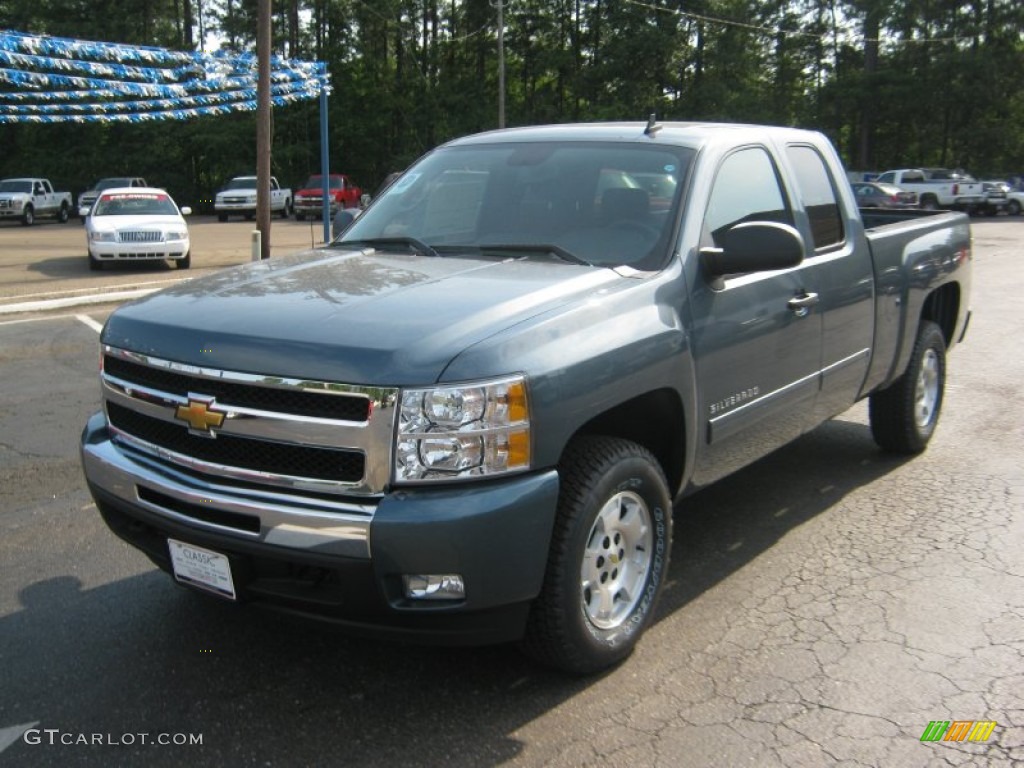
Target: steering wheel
x,y
632,225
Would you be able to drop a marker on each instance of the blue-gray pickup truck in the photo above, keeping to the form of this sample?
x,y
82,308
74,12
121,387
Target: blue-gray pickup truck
x,y
469,418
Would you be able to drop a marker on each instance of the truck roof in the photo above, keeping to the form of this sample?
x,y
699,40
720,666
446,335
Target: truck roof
x,y
682,133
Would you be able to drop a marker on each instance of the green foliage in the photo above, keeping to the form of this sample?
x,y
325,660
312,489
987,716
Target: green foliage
x,y
410,74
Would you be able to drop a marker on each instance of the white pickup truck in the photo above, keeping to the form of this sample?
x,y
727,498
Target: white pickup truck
x,y
238,196
938,187
28,199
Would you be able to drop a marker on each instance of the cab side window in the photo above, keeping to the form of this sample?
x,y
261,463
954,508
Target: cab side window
x,y
818,194
746,189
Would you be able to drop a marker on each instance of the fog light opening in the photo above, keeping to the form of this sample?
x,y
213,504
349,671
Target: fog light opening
x,y
434,586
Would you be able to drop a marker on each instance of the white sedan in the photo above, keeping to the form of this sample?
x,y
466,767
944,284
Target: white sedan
x,y
137,224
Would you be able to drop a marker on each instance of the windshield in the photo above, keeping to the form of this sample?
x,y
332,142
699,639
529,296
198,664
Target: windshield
x,y
605,204
16,186
316,182
122,181
245,182
135,204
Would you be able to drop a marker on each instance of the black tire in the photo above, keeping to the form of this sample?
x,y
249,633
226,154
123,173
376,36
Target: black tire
x,y
1013,208
929,203
185,262
904,415
62,214
28,216
222,217
300,216
615,505
286,211
95,264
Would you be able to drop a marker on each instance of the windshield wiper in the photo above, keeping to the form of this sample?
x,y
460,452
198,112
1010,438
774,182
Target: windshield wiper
x,y
376,242
526,248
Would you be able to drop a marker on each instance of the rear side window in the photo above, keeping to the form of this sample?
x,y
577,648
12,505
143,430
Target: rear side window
x,y
818,195
746,189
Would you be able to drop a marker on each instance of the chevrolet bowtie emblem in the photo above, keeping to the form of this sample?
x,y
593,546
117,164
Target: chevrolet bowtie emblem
x,y
199,416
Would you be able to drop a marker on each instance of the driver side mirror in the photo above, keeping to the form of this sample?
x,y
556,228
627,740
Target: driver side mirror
x,y
754,246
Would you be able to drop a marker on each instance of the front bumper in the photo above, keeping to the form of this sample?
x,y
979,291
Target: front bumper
x,y
234,207
343,560
106,251
313,206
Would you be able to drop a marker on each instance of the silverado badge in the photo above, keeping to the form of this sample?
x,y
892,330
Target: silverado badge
x,y
201,419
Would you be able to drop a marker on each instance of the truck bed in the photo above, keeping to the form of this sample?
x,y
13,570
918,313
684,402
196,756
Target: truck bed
x,y
910,251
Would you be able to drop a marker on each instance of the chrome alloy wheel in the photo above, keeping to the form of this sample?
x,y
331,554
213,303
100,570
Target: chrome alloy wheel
x,y
616,560
926,396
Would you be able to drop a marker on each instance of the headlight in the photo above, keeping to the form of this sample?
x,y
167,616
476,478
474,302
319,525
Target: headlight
x,y
176,236
99,236
464,431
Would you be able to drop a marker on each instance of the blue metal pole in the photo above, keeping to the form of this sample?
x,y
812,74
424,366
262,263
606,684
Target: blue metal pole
x,y
325,161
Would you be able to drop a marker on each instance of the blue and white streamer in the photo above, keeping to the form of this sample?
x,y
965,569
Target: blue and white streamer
x,y
58,80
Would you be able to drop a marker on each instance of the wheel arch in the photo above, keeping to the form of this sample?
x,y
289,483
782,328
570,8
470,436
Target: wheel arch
x,y
656,421
942,307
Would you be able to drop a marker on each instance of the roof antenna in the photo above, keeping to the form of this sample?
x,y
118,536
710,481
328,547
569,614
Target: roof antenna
x,y
652,125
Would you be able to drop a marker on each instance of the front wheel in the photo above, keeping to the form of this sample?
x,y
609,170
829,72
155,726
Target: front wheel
x,y
903,416
185,262
28,217
222,217
608,560
1013,208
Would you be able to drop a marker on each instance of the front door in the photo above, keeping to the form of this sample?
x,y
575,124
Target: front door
x,y
757,336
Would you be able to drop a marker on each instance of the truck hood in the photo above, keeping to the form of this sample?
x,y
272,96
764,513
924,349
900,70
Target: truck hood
x,y
351,316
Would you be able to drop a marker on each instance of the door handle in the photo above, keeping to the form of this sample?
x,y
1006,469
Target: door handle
x,y
801,305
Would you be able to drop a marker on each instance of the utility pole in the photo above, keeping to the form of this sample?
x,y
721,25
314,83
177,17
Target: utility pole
x,y
263,128
500,5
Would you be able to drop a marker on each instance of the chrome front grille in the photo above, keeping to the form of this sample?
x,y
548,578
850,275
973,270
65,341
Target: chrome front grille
x,y
289,433
139,236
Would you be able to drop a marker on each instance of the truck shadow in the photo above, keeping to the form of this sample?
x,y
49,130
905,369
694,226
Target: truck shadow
x,y
141,655
726,525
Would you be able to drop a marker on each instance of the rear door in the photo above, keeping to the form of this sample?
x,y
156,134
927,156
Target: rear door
x,y
838,263
756,336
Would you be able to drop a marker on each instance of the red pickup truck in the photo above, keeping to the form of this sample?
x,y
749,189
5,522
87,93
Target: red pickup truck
x,y
309,199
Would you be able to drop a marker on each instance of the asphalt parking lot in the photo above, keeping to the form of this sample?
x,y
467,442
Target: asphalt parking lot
x,y
824,606
48,261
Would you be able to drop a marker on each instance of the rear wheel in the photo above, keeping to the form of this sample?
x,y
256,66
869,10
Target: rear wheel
x,y
904,415
929,203
62,214
1013,208
608,559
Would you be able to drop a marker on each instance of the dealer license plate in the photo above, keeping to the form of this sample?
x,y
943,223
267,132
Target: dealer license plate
x,y
202,568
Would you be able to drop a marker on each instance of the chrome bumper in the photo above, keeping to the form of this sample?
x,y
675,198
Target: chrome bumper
x,y
310,523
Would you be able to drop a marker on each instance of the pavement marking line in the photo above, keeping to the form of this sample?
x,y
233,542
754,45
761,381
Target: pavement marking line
x,y
47,318
92,289
90,322
99,298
